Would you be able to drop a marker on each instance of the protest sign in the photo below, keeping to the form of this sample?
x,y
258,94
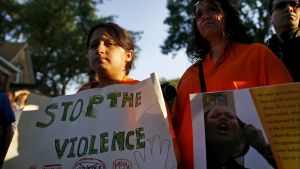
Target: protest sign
x,y
116,127
269,115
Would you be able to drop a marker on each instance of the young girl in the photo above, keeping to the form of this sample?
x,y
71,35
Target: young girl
x,y
111,55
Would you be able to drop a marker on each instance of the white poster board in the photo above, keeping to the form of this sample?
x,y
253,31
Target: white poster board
x,y
116,127
273,110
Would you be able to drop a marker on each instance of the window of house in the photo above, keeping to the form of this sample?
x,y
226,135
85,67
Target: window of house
x,y
20,74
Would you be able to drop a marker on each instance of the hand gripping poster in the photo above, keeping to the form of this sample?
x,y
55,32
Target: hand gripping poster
x,y
256,128
116,127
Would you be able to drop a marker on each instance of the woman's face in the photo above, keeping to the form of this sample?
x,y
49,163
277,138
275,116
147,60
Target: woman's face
x,y
209,20
222,126
106,57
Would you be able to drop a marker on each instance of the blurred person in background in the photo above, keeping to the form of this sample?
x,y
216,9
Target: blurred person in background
x,y
15,107
285,43
7,118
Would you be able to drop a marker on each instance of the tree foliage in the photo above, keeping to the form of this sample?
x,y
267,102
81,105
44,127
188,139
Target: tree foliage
x,y
253,13
8,15
56,32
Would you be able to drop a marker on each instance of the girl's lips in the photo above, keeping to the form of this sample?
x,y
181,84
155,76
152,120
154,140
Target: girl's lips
x,y
206,23
99,59
223,126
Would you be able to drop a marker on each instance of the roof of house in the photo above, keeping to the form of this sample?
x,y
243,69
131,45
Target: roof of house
x,y
10,50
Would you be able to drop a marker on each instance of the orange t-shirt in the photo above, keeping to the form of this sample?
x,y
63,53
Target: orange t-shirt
x,y
246,66
90,85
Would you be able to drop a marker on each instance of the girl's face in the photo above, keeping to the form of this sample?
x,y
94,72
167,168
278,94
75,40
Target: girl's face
x,y
222,126
209,19
106,57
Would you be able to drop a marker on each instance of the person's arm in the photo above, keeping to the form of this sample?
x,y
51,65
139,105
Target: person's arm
x,y
9,132
7,128
256,139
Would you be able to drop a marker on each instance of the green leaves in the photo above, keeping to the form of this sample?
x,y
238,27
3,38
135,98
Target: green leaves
x,y
56,32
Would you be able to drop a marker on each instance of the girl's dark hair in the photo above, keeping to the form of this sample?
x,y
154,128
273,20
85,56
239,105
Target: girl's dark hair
x,y
270,6
120,35
234,31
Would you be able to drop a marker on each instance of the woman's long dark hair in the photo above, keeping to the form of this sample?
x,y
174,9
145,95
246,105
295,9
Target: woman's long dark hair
x,y
234,31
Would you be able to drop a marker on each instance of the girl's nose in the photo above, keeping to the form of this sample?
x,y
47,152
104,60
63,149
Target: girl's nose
x,y
101,47
205,17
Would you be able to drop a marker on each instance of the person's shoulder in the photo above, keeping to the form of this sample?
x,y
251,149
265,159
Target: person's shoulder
x,y
190,72
3,96
189,77
256,49
129,80
89,85
296,34
255,45
295,39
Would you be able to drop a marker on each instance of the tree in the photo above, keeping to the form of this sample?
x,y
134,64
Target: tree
x,y
56,32
253,13
8,15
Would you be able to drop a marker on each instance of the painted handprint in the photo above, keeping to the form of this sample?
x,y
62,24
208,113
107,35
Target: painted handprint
x,y
156,154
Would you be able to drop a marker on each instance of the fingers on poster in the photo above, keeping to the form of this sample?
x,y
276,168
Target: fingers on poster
x,y
155,154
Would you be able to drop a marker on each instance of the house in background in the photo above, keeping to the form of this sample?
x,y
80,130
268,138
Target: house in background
x,y
16,66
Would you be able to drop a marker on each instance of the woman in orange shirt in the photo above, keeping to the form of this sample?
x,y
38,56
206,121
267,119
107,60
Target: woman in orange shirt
x,y
224,59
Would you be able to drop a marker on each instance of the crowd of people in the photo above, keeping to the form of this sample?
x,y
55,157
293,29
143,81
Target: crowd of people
x,y
224,58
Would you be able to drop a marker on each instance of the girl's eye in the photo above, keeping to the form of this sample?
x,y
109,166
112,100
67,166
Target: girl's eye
x,y
199,15
109,43
94,45
215,115
229,115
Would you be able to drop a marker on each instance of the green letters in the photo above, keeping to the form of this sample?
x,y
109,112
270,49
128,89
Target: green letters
x,y
85,148
72,118
127,98
128,145
103,142
138,98
71,153
92,149
51,114
113,98
66,108
97,99
87,145
140,135
60,150
119,138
